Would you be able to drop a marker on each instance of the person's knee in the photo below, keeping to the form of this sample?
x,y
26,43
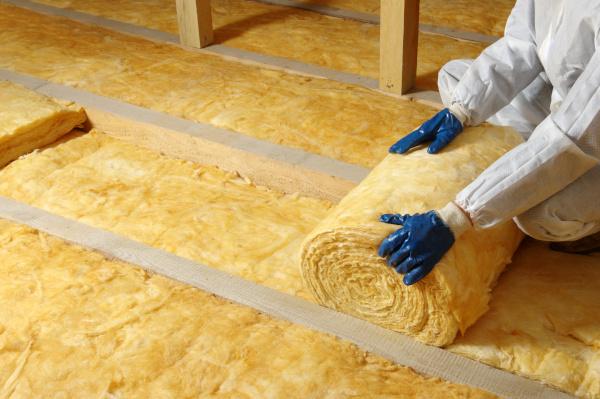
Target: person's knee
x,y
544,223
449,76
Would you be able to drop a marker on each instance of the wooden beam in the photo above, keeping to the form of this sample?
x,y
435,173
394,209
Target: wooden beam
x,y
399,35
195,23
263,171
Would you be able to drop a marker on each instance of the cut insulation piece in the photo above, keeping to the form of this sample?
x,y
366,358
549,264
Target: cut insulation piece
x,y
75,324
341,268
29,120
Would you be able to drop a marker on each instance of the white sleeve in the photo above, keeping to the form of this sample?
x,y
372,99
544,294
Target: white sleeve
x,y
502,70
561,149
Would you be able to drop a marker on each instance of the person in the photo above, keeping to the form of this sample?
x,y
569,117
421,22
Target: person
x,y
543,79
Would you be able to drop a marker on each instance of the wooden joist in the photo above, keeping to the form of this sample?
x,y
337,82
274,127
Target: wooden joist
x,y
195,23
399,34
263,171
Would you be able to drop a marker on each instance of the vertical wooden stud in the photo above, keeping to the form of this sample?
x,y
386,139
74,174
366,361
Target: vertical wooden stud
x,y
399,35
195,22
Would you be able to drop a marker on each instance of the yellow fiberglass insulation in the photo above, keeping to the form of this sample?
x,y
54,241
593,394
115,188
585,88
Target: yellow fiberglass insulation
x,y
74,324
29,120
330,118
224,221
195,211
335,43
481,16
233,18
341,268
543,321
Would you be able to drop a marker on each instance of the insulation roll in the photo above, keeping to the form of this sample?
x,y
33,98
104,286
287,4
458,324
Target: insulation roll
x,y
341,268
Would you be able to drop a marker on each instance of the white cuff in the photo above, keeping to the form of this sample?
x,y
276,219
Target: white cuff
x,y
460,112
455,218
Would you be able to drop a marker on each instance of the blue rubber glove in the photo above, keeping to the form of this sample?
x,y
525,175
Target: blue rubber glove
x,y
415,248
441,129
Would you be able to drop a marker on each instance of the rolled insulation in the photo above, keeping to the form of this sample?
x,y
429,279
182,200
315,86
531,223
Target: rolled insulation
x,y
341,268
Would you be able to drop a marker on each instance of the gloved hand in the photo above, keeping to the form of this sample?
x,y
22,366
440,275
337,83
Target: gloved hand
x,y
422,241
441,129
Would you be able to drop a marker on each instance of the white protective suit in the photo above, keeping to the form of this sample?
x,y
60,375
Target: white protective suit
x,y
542,78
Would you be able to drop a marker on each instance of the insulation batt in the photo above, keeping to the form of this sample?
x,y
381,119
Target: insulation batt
x,y
195,211
29,120
341,268
342,45
74,324
180,207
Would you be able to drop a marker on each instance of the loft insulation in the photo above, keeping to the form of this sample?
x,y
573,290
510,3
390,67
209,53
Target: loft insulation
x,y
180,207
543,321
198,212
337,120
29,120
341,268
75,324
481,16
339,44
